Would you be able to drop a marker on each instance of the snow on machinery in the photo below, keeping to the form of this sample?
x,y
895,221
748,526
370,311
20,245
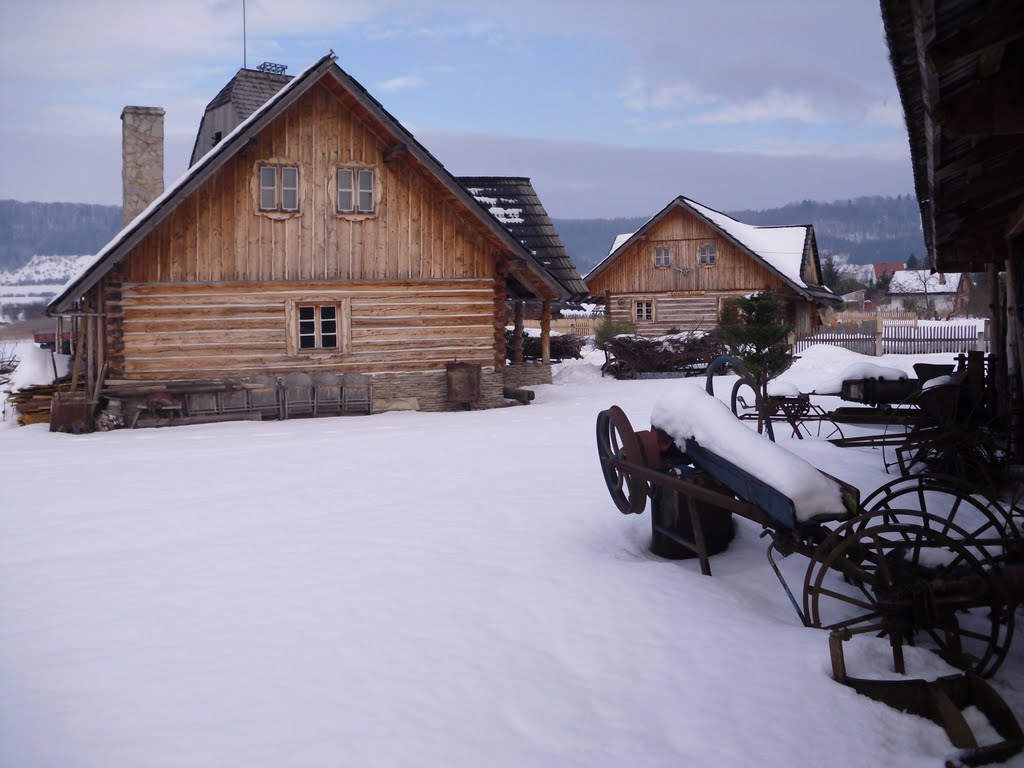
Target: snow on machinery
x,y
921,561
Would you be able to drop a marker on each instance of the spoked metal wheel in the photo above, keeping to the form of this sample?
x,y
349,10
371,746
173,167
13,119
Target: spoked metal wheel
x,y
915,578
985,519
616,441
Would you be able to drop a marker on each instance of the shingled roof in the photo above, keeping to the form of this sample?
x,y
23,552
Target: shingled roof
x,y
246,92
513,201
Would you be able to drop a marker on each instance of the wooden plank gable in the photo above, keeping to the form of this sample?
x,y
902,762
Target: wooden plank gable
x,y
417,231
683,232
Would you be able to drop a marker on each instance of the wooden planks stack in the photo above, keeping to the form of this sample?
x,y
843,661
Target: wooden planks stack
x,y
32,404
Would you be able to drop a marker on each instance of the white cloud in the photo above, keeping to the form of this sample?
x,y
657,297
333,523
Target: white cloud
x,y
400,83
640,95
887,112
774,105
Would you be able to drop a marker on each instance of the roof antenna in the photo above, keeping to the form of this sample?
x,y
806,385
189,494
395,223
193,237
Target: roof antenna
x,y
243,37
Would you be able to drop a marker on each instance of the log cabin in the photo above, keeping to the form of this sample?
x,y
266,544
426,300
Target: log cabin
x,y
674,272
316,234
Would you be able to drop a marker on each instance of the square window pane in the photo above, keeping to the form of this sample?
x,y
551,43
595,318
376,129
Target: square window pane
x,y
329,326
268,200
366,191
290,199
289,177
328,312
307,313
329,341
307,328
346,196
307,342
268,177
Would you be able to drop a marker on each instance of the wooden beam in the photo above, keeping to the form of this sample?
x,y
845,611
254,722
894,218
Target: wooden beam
x,y
996,28
1015,223
984,150
545,332
394,152
989,106
990,189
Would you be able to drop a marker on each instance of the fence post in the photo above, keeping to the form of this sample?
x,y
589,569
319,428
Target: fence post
x,y
983,337
879,334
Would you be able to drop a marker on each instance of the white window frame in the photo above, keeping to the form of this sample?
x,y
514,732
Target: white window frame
x,y
283,187
359,185
643,310
663,256
707,254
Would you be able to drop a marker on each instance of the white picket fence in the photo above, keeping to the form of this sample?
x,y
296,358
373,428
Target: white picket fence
x,y
898,339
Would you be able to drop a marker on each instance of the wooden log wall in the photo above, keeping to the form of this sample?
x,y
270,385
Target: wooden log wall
x,y
194,331
207,292
634,270
218,234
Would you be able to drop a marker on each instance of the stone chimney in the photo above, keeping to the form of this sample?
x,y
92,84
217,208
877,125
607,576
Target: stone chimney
x,y
142,159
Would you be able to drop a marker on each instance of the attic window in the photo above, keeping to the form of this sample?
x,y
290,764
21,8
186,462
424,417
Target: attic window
x,y
279,188
708,254
663,256
356,190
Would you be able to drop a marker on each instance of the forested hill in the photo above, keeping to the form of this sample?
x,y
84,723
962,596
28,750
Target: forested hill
x,y
53,229
865,229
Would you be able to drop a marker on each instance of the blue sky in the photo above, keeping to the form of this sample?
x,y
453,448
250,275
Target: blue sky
x,y
613,108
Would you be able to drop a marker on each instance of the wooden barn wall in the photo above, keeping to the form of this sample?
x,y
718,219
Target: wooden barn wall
x,y
195,331
217,234
634,270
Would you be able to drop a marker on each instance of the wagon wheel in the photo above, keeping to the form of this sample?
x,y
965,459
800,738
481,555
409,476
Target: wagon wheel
x,y
914,578
620,369
616,440
958,451
898,437
735,398
949,498
763,412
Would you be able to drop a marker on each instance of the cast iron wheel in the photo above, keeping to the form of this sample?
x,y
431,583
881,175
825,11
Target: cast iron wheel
x,y
616,440
948,498
914,578
620,369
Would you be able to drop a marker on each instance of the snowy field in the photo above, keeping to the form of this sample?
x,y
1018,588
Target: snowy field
x,y
412,589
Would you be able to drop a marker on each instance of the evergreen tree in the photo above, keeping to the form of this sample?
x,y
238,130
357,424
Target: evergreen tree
x,y
757,334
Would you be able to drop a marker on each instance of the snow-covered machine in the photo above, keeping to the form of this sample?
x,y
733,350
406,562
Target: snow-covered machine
x,y
921,561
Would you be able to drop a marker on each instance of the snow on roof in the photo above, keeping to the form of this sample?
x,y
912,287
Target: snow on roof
x,y
780,247
922,281
693,414
619,240
170,191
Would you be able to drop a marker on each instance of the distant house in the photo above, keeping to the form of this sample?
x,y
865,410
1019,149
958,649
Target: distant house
x,y
314,235
883,270
678,268
935,294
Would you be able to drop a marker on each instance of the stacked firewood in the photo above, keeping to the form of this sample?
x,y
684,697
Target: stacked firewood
x,y
30,404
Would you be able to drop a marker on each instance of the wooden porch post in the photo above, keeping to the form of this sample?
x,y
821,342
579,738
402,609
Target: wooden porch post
x,y
1015,366
997,338
517,333
545,332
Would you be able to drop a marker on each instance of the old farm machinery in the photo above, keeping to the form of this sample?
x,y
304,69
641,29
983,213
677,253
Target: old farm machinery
x,y
921,561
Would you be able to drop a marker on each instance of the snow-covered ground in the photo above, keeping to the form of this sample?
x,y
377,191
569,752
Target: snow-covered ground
x,y
412,589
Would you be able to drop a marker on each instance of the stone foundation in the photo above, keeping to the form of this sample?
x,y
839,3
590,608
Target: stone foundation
x,y
430,390
527,374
